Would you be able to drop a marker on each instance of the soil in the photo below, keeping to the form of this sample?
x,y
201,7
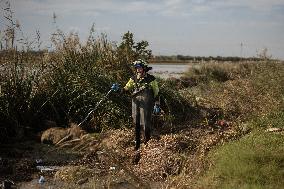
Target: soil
x,y
108,160
19,160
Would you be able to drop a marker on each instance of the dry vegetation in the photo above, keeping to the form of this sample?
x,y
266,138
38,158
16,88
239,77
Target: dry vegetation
x,y
203,110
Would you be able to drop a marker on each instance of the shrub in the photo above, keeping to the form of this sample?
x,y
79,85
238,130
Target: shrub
x,y
65,84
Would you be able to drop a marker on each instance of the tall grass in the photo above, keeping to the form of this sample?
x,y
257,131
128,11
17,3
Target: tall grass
x,y
65,84
242,90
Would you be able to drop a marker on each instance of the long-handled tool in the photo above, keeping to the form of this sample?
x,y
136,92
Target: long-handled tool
x,y
114,87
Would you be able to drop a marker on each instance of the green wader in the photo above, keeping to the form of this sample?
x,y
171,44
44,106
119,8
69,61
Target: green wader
x,y
142,105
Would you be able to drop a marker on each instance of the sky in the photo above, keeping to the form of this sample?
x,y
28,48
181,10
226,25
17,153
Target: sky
x,y
187,27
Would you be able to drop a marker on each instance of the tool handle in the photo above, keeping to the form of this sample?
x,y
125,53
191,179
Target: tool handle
x,y
97,105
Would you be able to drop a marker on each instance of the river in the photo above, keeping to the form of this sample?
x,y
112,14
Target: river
x,y
170,70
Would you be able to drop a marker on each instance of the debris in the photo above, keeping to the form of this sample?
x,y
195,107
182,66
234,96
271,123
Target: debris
x,y
47,168
274,129
112,168
58,135
6,184
82,181
39,161
223,123
41,180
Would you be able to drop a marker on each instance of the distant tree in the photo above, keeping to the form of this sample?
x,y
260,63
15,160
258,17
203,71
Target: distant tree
x,y
131,50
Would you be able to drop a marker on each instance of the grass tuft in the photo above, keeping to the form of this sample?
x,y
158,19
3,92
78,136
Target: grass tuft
x,y
254,161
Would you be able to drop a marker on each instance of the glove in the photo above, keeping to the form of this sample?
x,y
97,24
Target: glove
x,y
115,87
157,109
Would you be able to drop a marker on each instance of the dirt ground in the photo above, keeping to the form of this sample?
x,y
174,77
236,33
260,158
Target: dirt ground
x,y
108,160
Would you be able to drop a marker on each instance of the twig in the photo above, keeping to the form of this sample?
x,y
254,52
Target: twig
x,y
64,139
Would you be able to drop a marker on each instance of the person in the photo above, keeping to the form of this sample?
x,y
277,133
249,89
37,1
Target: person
x,y
144,88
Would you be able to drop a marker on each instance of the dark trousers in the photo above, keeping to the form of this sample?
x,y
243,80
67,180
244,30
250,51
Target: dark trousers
x,y
142,107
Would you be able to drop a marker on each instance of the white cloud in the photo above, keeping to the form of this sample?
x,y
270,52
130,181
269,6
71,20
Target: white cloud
x,y
69,6
258,5
164,7
196,18
93,7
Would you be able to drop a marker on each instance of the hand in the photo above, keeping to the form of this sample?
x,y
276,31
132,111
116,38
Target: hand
x,y
157,109
115,87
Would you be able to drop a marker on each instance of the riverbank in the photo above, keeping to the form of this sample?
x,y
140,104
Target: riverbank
x,y
110,161
230,107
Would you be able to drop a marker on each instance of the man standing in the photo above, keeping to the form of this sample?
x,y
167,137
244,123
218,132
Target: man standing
x,y
144,88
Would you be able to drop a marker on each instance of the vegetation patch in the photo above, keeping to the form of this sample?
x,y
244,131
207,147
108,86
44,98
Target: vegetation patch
x,y
254,161
225,106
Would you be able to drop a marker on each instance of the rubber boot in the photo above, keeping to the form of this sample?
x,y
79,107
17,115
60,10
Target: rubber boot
x,y
137,132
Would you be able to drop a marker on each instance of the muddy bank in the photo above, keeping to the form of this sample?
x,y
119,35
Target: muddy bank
x,y
20,161
109,160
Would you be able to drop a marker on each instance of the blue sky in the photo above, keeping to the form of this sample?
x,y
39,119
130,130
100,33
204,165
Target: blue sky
x,y
188,27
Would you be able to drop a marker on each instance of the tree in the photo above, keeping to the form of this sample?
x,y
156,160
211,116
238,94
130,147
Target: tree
x,y
131,50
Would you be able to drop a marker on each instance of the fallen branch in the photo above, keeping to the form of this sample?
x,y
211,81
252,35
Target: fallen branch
x,y
64,139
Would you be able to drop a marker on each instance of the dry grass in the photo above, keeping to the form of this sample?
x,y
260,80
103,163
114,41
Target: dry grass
x,y
253,89
179,156
63,85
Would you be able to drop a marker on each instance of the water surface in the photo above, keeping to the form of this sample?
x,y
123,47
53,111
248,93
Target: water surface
x,y
170,70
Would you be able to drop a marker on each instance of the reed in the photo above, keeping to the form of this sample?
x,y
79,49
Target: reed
x,y
62,85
